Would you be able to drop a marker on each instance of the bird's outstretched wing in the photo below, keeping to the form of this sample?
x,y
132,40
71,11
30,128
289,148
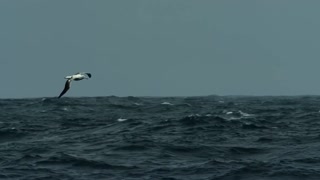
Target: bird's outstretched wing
x,y
66,87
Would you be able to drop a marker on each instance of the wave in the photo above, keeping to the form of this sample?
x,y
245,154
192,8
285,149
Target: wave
x,y
66,160
194,138
11,134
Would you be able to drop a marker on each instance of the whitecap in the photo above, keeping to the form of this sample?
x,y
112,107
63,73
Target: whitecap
x,y
122,119
245,114
234,118
166,103
194,115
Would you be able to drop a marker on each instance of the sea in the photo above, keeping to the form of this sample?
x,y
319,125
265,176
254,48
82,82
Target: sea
x,y
160,138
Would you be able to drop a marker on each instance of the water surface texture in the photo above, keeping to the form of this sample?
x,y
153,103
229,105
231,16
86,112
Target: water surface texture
x,y
169,138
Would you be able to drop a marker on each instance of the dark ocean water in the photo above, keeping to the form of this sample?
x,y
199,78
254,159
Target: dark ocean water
x,y
171,138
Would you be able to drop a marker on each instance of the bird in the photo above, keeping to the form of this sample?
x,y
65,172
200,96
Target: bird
x,y
76,77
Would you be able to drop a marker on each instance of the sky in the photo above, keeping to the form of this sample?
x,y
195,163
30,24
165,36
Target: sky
x,y
160,47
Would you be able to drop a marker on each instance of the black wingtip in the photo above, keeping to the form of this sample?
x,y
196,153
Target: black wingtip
x,y
89,75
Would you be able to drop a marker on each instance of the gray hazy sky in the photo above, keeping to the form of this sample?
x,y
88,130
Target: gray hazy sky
x,y
160,47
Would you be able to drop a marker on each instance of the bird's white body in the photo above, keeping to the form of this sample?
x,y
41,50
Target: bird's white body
x,y
78,76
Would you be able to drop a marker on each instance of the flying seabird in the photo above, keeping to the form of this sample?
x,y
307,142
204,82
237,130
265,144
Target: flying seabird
x,y
76,77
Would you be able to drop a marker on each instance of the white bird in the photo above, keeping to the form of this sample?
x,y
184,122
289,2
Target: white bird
x,y
76,77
